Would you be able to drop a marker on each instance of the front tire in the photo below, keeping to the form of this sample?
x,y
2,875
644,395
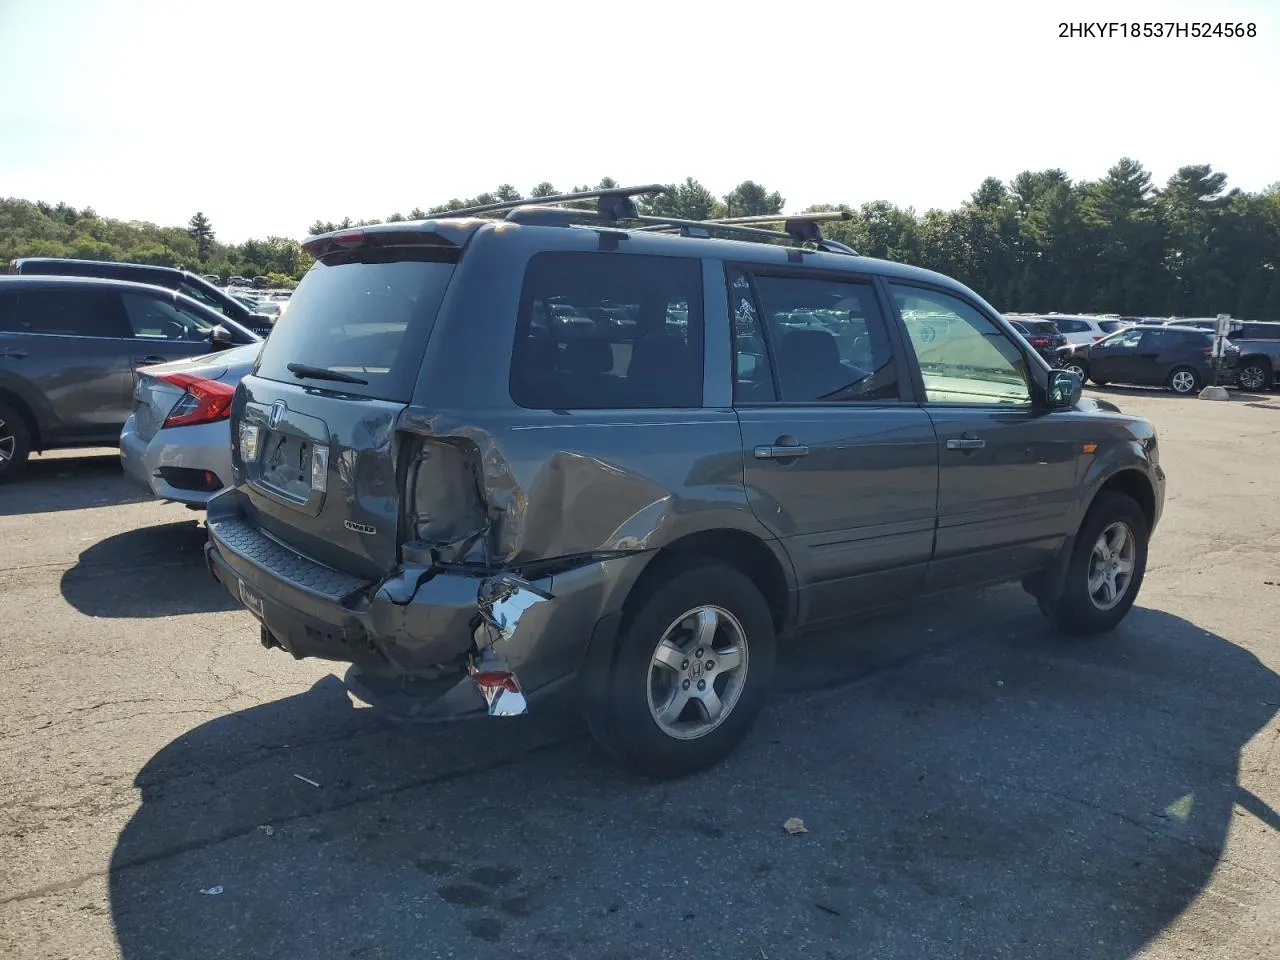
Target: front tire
x,y
690,672
1255,375
1184,381
15,442
1079,369
1107,565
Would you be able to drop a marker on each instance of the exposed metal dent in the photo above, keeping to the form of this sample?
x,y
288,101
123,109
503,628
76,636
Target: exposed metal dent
x,y
502,601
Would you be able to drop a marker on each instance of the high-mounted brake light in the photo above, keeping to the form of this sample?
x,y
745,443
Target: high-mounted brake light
x,y
205,401
349,238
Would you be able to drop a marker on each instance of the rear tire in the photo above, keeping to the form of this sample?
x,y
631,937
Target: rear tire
x,y
651,715
1184,381
1099,383
1098,557
1076,367
15,442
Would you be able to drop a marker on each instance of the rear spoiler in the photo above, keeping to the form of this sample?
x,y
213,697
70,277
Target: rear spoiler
x,y
448,234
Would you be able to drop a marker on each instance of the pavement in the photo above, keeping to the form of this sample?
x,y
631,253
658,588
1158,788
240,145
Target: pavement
x,y
972,785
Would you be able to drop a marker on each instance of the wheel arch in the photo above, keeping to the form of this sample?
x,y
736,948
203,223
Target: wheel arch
x,y
764,563
16,402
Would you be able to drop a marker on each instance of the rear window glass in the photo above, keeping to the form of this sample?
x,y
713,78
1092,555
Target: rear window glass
x,y
1258,331
608,330
365,314
1111,326
1071,326
1043,327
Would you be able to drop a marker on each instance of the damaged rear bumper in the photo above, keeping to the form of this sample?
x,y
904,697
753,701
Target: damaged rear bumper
x,y
483,641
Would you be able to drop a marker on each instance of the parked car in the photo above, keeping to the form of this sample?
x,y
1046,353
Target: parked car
x,y
1259,345
1180,358
183,281
269,311
1044,337
69,347
1081,329
176,442
471,507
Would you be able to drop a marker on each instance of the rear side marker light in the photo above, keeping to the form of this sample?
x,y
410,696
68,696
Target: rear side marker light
x,y
204,401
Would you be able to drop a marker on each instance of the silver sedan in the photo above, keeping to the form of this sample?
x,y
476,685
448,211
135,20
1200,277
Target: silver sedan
x,y
177,441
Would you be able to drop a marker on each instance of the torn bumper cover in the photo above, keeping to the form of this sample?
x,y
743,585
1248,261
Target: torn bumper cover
x,y
465,635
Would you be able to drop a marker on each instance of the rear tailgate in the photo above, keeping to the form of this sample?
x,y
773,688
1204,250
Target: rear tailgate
x,y
314,425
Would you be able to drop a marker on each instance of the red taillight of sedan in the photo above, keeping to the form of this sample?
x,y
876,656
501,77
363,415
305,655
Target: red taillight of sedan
x,y
205,401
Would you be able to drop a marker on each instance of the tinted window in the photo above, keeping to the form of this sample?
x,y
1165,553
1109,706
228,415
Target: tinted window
x,y
964,357
602,330
1258,331
368,314
1071,326
83,313
1045,327
826,339
1126,338
1111,326
153,319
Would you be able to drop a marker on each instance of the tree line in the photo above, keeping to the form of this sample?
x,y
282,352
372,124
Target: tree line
x,y
1041,242
37,229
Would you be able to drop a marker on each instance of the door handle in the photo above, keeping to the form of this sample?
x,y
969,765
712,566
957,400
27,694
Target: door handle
x,y
780,451
150,359
13,354
966,443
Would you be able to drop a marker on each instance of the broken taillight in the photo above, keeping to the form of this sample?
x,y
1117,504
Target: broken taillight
x,y
204,401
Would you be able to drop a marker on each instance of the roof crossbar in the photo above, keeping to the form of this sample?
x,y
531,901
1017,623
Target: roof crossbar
x,y
609,199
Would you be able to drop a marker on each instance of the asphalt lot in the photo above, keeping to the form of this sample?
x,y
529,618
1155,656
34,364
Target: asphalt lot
x,y
972,785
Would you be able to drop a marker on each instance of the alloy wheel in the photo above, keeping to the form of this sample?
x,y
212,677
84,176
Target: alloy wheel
x,y
1073,367
1111,565
1184,381
8,442
697,672
1253,377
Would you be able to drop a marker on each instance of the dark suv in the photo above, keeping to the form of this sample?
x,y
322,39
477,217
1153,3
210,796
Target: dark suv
x,y
479,458
69,348
183,281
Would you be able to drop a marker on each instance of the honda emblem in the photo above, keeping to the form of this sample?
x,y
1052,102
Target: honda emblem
x,y
277,411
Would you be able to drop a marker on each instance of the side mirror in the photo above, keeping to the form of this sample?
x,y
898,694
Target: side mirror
x,y
1065,388
220,337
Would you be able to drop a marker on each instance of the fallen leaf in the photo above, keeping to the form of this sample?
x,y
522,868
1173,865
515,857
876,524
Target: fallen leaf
x,y
794,825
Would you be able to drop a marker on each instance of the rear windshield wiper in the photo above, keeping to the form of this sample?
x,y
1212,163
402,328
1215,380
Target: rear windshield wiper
x,y
320,373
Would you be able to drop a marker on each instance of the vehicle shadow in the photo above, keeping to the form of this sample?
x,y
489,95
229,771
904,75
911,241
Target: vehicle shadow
x,y
156,571
53,484
1119,392
1001,793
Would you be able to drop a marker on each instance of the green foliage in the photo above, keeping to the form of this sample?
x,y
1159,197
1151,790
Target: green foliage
x,y
57,230
1041,242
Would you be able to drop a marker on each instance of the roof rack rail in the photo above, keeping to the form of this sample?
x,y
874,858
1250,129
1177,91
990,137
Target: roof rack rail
x,y
801,228
612,202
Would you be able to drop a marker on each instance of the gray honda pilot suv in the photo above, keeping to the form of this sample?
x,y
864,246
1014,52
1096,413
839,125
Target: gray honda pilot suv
x,y
530,446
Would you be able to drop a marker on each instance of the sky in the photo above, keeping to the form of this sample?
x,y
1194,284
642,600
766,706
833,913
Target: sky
x,y
268,115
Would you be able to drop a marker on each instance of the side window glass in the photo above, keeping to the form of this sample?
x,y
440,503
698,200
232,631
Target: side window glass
x,y
965,359
753,374
70,313
828,339
154,319
608,330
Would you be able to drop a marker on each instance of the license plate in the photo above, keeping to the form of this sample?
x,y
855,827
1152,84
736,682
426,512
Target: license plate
x,y
251,600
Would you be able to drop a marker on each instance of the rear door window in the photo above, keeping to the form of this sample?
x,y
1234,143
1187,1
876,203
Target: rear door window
x,y
71,313
607,330
827,341
1072,326
365,315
